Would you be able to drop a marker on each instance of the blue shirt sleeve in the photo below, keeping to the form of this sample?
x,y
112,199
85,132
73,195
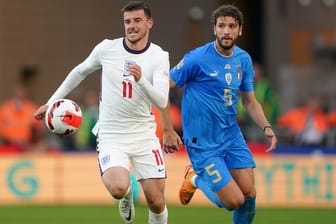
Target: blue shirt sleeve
x,y
184,71
247,74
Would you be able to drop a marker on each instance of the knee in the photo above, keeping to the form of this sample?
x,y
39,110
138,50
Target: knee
x,y
250,193
117,191
234,203
156,205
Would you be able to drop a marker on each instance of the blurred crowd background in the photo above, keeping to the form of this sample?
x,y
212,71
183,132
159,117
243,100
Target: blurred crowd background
x,y
292,42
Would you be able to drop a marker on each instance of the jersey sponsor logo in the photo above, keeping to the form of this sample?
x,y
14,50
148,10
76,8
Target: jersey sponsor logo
x,y
228,78
214,74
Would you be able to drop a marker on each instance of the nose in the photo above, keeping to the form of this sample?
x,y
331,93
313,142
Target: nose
x,y
226,30
131,24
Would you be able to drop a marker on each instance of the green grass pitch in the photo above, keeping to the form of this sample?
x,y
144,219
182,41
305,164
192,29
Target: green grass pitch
x,y
101,214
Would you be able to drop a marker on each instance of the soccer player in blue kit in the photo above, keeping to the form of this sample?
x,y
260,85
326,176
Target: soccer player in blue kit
x,y
213,76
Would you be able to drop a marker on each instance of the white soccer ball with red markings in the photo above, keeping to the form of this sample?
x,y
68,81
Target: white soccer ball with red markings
x,y
63,117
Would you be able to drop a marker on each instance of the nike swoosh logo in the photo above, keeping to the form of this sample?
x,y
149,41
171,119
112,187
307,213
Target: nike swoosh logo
x,y
162,169
126,75
128,218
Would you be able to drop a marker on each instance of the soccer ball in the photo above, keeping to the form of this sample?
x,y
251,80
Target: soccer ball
x,y
63,117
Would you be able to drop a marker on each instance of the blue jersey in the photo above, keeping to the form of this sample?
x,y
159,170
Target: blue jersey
x,y
212,83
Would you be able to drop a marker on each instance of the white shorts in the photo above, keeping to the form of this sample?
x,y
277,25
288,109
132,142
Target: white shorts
x,y
145,156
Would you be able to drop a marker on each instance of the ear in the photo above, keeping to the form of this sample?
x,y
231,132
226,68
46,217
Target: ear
x,y
240,31
150,23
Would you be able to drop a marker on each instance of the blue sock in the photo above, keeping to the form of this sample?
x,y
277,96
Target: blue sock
x,y
208,192
245,213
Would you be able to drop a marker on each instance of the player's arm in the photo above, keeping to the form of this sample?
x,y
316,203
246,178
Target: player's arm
x,y
256,112
73,79
159,91
171,140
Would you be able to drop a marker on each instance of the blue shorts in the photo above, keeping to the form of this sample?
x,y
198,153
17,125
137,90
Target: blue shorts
x,y
213,166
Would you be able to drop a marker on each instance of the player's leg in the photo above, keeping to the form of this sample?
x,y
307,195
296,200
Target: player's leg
x,y
245,179
154,194
117,189
150,171
241,163
120,190
114,166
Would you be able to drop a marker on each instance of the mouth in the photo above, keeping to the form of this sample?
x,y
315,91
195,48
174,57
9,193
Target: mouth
x,y
227,38
130,32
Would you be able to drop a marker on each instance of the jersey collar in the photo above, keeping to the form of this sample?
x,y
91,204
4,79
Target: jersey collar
x,y
135,51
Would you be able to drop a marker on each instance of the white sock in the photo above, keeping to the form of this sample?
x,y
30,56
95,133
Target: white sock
x,y
193,180
161,218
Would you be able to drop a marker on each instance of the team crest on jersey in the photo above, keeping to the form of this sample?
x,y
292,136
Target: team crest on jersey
x,y
228,78
179,65
239,73
127,64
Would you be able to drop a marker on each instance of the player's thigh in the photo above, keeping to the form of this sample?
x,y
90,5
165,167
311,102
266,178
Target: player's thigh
x,y
240,162
230,195
245,180
114,167
154,193
213,171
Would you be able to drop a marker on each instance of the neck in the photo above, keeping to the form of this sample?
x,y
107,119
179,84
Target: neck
x,y
137,45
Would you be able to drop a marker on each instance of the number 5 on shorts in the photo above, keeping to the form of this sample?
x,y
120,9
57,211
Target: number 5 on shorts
x,y
213,172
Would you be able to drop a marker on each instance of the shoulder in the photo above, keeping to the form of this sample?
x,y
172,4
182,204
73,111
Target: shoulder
x,y
157,51
156,48
108,43
242,54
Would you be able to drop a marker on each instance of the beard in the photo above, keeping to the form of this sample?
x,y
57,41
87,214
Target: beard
x,y
225,46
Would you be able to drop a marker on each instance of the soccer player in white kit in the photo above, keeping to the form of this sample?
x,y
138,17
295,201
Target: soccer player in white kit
x,y
135,76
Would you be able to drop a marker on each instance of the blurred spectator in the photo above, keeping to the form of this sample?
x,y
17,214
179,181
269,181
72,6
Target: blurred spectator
x,y
332,118
332,133
267,98
18,127
306,125
175,114
84,138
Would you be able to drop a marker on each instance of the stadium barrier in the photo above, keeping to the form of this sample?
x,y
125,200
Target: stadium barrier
x,y
70,178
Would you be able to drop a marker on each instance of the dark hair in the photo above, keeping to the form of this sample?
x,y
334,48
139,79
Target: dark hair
x,y
227,10
136,5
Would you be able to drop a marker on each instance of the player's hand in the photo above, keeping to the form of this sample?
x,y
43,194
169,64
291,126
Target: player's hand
x,y
272,139
39,114
171,141
135,70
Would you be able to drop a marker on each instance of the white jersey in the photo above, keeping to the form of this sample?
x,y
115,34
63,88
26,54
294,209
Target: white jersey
x,y
125,105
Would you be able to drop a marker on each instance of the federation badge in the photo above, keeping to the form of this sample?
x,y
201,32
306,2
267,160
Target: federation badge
x,y
239,73
127,64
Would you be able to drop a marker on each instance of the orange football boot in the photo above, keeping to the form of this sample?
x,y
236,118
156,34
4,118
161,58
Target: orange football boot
x,y
187,189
